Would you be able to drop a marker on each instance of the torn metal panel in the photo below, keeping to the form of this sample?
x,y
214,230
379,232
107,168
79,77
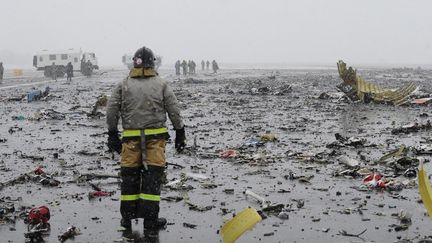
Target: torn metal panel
x,y
358,89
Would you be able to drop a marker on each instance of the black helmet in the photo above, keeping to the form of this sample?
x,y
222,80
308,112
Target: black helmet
x,y
143,58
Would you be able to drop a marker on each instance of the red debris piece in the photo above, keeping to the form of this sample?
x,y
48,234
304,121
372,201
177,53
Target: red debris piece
x,y
39,171
99,194
230,153
38,215
375,180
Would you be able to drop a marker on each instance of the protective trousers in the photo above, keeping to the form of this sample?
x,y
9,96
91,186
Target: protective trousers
x,y
140,187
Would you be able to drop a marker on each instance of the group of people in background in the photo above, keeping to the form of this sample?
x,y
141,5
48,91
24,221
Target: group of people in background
x,y
189,67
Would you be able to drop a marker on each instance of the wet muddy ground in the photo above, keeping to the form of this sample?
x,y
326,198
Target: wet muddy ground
x,y
229,110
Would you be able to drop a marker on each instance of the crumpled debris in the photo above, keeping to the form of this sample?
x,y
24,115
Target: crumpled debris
x,y
253,142
14,129
350,141
48,114
198,208
37,232
397,153
357,89
423,149
38,94
283,90
189,225
97,110
421,101
268,137
324,96
230,153
342,141
267,90
414,127
97,194
172,198
37,175
352,173
39,215
71,232
376,180
87,153
403,163
18,118
350,162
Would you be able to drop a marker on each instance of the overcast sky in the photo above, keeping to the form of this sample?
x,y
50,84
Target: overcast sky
x,y
230,31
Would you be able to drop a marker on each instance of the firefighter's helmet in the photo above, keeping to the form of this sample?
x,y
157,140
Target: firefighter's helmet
x,y
144,58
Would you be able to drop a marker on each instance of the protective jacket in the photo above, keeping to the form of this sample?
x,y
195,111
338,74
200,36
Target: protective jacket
x,y
143,102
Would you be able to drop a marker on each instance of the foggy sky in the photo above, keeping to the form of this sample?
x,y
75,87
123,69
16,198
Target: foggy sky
x,y
230,31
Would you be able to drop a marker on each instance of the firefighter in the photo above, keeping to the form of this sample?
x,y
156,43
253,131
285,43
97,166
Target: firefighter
x,y
142,100
69,71
177,67
1,72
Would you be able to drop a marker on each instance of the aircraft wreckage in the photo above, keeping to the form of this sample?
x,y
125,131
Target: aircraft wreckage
x,y
358,89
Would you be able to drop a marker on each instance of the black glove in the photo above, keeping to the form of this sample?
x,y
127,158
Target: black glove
x,y
114,143
180,139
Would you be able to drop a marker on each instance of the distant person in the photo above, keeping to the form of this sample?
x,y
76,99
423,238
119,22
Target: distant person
x,y
83,65
193,67
69,71
54,71
185,67
207,65
215,66
1,72
202,65
89,68
190,66
177,67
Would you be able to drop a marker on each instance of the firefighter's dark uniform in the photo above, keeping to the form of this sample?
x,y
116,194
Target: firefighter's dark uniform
x,y
142,100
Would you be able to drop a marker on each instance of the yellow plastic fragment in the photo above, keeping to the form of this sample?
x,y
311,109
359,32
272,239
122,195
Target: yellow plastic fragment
x,y
268,137
425,189
242,222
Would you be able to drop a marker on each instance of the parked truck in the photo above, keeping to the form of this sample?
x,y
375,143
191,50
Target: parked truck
x,y
84,62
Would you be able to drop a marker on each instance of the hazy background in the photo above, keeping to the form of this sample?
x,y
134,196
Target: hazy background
x,y
280,32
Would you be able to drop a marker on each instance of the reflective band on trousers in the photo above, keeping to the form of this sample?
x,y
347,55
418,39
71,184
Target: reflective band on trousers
x,y
137,133
129,197
149,197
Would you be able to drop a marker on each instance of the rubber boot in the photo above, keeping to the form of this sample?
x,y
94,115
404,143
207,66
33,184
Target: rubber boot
x,y
158,224
126,224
